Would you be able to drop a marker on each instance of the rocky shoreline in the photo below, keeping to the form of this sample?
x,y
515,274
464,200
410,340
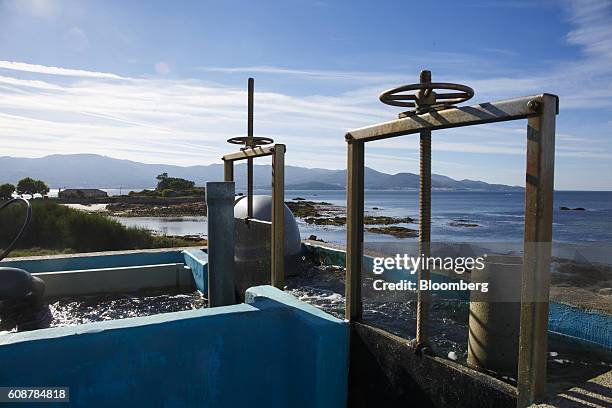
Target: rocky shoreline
x,y
323,213
312,212
155,210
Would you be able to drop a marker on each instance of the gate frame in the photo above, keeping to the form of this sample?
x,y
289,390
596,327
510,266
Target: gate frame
x,y
540,112
277,151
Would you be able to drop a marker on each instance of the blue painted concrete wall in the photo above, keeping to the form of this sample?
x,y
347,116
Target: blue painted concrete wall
x,y
273,352
582,324
197,260
567,320
103,260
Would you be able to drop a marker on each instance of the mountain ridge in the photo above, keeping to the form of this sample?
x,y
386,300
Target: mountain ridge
x,y
96,171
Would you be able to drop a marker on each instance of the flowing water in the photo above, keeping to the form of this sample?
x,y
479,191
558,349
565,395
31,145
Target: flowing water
x,y
69,311
570,361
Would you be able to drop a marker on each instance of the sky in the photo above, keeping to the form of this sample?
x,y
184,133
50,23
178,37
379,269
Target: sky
x,y
165,81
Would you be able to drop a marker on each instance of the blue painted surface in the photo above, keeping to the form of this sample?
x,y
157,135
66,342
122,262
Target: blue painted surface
x,y
103,260
582,324
325,348
588,325
197,260
273,352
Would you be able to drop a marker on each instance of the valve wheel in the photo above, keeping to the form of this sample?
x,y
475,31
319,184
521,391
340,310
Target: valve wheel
x,y
250,142
396,97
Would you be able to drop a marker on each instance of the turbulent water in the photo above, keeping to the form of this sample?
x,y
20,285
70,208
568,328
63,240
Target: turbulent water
x,y
69,311
569,361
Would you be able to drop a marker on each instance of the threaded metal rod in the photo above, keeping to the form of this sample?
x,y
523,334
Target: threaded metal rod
x,y
251,88
422,329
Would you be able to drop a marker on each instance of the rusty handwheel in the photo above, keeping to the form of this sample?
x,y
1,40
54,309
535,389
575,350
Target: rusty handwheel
x,y
426,98
250,141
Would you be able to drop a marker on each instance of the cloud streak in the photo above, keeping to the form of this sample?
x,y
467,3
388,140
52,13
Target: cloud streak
x,y
43,69
186,121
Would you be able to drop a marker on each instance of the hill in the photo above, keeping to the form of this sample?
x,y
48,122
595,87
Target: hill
x,y
95,171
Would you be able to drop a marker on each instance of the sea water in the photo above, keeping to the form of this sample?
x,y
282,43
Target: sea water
x,y
499,216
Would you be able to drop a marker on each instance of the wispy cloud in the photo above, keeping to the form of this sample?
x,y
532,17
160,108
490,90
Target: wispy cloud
x,y
311,73
186,121
43,69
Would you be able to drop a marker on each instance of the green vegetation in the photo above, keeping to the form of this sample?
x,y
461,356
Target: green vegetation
x,y
173,183
31,186
6,191
17,253
59,229
171,187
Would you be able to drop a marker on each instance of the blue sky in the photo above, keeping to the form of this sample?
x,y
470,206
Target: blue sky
x,y
165,82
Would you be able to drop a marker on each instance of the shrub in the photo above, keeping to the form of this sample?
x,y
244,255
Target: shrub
x,y
6,191
58,227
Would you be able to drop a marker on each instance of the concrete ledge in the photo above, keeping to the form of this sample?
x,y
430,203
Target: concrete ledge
x,y
114,280
596,392
283,299
263,354
328,340
197,261
96,260
385,370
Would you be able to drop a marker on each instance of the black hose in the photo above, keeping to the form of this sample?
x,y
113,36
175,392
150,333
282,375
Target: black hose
x,y
23,227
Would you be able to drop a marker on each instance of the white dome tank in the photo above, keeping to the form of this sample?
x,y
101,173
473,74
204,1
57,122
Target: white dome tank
x,y
262,210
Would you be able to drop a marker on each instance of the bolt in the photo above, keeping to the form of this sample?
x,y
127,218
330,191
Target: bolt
x,y
534,105
425,76
425,96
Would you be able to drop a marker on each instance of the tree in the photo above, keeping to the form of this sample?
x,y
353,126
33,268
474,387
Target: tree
x,y
173,183
41,188
30,186
6,191
26,186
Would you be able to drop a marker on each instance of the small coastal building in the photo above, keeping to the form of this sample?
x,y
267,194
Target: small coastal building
x,y
82,193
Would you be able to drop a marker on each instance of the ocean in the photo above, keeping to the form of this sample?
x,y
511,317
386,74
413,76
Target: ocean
x,y
499,216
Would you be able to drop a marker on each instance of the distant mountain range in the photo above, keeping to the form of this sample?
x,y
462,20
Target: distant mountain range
x,y
95,171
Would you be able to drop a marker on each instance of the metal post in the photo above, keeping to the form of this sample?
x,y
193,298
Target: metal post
x,y
423,298
354,230
278,217
251,87
533,347
220,203
228,170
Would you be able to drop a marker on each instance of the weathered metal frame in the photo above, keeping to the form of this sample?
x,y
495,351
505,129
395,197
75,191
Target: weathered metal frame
x,y
277,151
540,110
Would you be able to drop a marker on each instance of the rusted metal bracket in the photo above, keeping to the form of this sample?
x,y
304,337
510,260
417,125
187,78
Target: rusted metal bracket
x,y
489,112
